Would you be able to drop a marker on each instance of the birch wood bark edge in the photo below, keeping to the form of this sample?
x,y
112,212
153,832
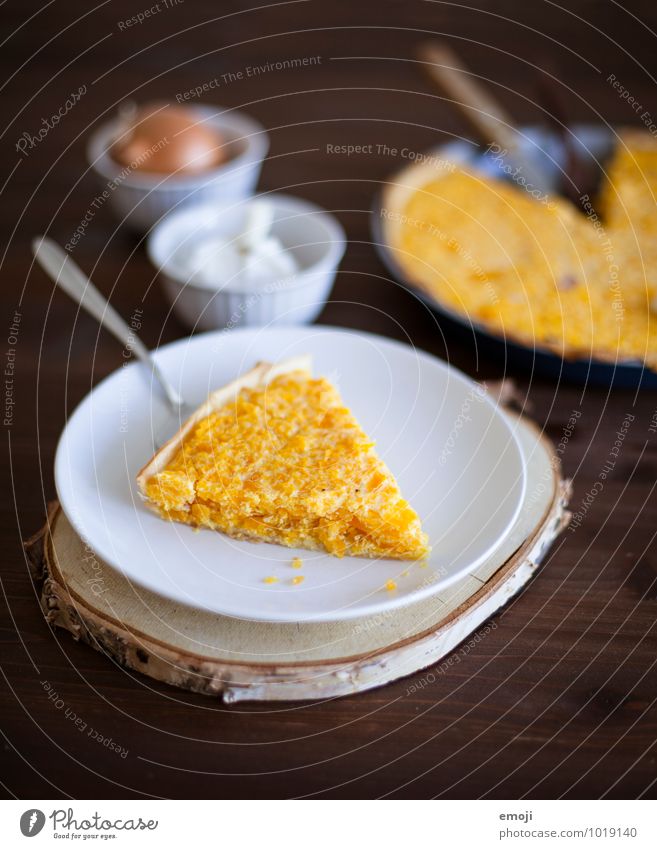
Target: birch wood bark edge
x,y
353,657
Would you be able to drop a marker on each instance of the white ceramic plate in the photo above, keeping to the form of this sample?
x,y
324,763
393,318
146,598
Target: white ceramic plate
x,y
453,453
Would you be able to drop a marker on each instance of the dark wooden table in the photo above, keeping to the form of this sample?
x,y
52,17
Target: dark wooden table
x,y
559,700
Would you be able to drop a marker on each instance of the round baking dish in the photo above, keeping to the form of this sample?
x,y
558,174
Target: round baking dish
x,y
596,142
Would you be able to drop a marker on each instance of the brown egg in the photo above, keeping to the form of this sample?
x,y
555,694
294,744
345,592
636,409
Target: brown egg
x,y
165,139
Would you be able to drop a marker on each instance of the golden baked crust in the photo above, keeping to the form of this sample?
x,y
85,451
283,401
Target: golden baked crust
x,y
537,270
280,459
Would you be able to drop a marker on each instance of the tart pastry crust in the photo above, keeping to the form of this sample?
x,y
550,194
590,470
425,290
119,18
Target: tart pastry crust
x,y
275,456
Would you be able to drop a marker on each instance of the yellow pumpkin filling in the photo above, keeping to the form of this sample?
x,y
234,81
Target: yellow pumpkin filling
x,y
288,463
538,269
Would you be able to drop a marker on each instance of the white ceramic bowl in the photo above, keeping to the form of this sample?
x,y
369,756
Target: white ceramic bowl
x,y
141,199
314,237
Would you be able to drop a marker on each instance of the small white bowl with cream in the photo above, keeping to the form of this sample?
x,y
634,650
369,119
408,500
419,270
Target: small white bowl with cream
x,y
269,260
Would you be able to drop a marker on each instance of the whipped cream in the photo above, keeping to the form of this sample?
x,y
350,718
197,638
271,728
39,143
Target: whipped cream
x,y
245,262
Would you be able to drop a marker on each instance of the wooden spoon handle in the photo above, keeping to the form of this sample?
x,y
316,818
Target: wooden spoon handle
x,y
487,117
490,121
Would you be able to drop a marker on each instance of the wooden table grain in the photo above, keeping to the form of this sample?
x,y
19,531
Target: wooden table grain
x,y
559,698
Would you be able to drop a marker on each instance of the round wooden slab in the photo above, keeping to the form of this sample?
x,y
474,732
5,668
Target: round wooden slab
x,y
245,660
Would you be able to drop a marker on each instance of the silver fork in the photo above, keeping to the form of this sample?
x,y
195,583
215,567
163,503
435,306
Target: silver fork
x,y
70,277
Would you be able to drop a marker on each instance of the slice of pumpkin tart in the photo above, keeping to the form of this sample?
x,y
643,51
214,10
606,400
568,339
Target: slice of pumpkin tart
x,y
275,456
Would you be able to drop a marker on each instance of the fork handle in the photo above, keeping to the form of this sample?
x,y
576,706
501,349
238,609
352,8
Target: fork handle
x,y
70,277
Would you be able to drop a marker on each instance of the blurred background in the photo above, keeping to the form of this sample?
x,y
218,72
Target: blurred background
x,y
363,86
